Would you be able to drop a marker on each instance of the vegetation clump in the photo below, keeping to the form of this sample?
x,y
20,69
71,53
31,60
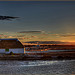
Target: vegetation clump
x,y
11,53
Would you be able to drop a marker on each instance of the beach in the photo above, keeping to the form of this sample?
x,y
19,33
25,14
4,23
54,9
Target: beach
x,y
38,67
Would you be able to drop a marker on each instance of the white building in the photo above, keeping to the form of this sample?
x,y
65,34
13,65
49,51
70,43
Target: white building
x,y
11,45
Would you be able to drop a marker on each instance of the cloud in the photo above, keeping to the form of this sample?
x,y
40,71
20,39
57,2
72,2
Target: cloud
x,y
34,36
20,35
64,35
30,32
7,17
10,36
47,42
45,34
67,35
22,38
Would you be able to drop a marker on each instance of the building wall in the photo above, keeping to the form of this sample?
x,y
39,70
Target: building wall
x,y
17,50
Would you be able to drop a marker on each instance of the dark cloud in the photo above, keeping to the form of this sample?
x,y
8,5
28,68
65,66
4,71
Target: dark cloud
x,y
30,32
64,35
7,17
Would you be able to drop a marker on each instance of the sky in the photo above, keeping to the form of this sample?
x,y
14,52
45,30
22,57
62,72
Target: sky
x,y
38,20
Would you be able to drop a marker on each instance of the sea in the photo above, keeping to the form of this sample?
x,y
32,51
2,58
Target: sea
x,y
37,67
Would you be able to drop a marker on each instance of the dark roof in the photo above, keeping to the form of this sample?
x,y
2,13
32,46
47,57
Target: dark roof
x,y
10,43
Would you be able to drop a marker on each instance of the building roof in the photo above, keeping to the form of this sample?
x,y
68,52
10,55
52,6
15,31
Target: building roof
x,y
10,43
